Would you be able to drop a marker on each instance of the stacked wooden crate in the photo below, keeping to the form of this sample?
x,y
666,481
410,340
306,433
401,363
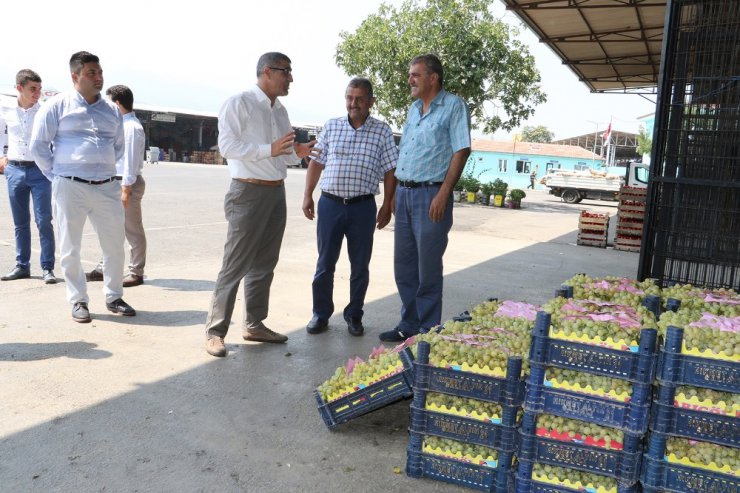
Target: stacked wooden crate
x,y
630,219
593,229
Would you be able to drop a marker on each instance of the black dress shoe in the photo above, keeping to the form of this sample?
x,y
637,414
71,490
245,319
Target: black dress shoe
x,y
94,275
317,325
395,335
120,306
355,327
80,313
18,273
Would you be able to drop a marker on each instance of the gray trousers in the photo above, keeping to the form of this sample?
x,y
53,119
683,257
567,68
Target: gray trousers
x,y
135,228
256,215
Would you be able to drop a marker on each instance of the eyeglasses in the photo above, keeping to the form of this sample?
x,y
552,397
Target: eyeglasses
x,y
285,70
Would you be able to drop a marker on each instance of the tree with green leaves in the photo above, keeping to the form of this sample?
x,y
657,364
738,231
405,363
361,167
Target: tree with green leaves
x,y
483,61
644,142
540,134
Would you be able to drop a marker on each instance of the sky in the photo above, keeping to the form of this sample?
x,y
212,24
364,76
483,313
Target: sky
x,y
194,55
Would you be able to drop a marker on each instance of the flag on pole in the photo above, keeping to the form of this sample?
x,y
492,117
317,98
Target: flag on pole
x,y
608,133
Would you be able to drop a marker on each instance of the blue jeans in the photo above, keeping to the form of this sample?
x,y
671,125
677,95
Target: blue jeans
x,y
356,222
24,182
417,260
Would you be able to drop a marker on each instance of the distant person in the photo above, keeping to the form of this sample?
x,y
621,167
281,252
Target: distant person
x,y
532,178
356,151
256,138
132,187
86,131
433,151
25,180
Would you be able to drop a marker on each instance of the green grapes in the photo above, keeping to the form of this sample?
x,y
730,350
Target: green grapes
x,y
448,446
722,301
704,453
560,474
597,382
702,330
714,396
612,437
614,289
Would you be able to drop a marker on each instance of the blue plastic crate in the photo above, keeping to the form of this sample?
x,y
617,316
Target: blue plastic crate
x,y
526,484
492,435
368,399
691,423
508,391
494,480
661,476
622,465
631,417
636,366
684,369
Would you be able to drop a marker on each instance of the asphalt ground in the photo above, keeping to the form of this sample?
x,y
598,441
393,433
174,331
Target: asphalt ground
x,y
136,404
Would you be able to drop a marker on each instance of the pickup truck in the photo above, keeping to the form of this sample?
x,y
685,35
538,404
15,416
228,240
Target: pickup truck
x,y
574,186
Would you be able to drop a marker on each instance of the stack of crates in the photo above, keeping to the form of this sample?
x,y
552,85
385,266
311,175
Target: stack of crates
x,y
630,219
430,427
696,413
542,454
593,229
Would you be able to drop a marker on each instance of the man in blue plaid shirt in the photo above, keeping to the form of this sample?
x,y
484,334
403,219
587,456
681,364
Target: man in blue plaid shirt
x,y
434,148
355,152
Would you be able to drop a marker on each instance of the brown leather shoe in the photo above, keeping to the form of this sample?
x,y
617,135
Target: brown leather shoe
x,y
132,280
215,347
263,334
93,275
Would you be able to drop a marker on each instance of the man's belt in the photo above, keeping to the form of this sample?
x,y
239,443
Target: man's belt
x,y
21,164
417,184
353,200
264,183
92,182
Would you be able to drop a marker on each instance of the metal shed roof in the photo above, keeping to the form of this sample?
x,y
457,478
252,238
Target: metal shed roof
x,y
611,45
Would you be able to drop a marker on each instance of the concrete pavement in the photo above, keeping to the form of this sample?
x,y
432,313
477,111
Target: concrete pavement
x,y
136,404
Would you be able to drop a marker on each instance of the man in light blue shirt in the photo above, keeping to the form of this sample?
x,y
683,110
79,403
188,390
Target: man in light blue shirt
x,y
434,148
86,131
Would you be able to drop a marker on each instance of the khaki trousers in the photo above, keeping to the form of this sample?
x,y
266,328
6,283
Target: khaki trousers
x,y
135,228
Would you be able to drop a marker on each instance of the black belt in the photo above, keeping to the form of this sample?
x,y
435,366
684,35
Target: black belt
x,y
353,200
93,182
21,164
417,184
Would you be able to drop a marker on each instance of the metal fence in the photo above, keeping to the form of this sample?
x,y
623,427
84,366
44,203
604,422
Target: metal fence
x,y
692,226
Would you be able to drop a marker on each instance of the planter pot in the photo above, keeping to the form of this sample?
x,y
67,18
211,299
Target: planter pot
x,y
456,195
514,205
498,200
471,197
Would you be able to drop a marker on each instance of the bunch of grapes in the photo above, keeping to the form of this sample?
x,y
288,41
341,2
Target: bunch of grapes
x,y
600,385
578,479
705,453
615,289
706,331
731,400
717,301
451,404
579,430
484,348
448,447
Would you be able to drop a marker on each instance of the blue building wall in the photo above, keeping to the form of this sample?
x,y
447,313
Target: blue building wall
x,y
514,169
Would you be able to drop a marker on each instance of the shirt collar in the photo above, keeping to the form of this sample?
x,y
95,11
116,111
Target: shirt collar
x,y
81,99
365,124
437,101
129,115
263,97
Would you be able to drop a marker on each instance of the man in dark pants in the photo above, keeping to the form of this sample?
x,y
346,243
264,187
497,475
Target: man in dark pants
x,y
356,151
256,138
434,148
25,180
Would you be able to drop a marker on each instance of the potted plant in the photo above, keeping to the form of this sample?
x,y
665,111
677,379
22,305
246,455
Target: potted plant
x,y
499,192
457,190
516,196
487,190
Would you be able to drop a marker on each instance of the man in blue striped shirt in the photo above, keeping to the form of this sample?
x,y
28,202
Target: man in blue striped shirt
x,y
86,131
434,148
355,152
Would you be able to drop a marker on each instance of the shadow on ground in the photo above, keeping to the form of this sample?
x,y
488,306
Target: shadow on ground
x,y
22,351
249,422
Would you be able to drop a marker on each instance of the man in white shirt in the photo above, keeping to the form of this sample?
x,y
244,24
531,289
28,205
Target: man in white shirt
x,y
132,187
257,140
86,131
25,180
